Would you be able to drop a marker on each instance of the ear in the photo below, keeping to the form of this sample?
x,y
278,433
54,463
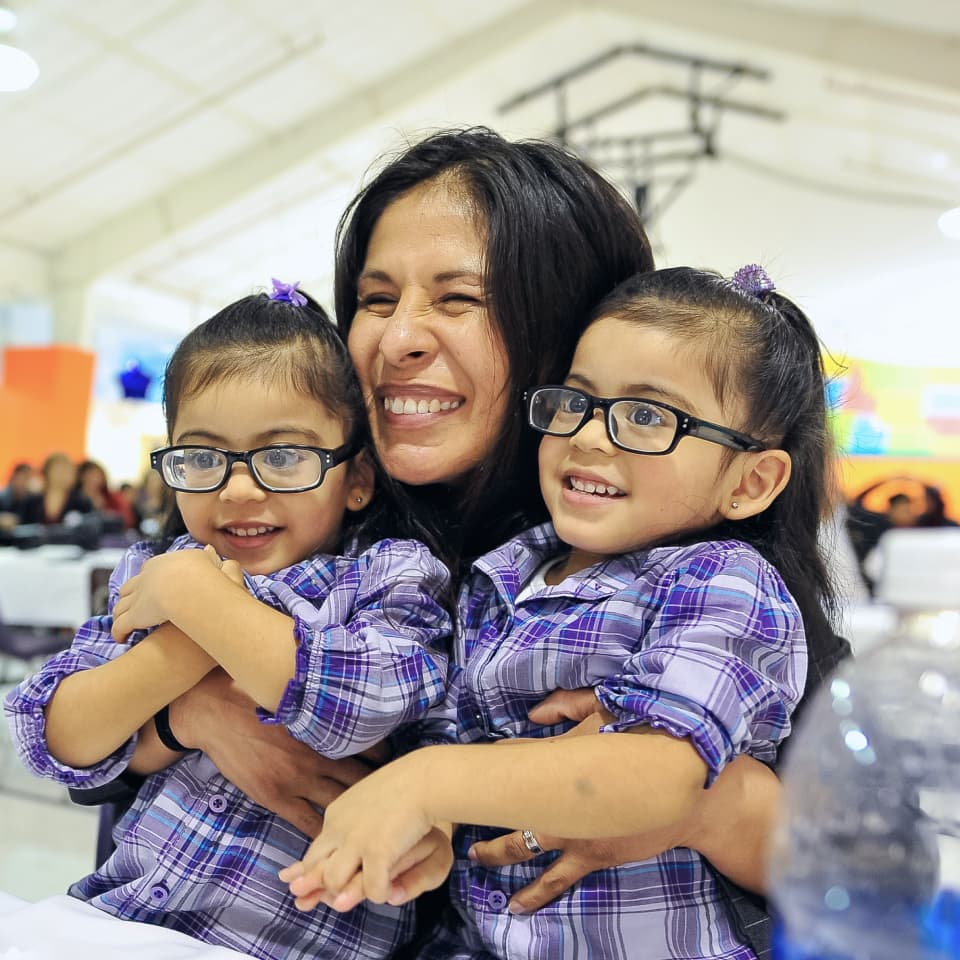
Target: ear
x,y
757,480
360,481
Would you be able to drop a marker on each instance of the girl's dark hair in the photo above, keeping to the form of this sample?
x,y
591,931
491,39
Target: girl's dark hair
x,y
762,354
558,238
260,340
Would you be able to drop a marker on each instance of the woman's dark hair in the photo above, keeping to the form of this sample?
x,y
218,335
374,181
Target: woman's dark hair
x,y
558,238
762,355
261,340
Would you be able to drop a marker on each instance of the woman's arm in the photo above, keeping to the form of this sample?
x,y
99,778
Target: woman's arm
x,y
271,767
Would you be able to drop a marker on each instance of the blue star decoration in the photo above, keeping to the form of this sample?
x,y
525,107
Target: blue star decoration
x,y
134,381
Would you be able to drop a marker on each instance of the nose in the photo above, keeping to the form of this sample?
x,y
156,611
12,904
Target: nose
x,y
593,435
407,338
241,487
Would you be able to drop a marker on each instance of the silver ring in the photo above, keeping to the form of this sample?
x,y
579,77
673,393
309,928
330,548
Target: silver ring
x,y
530,839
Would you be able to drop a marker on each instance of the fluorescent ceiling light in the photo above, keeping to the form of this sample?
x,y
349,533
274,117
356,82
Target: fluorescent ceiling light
x,y
18,70
949,223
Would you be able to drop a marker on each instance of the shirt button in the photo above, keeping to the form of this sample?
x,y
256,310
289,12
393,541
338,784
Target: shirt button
x,y
217,803
496,899
158,893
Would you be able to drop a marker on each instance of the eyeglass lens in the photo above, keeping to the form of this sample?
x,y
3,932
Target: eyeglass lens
x,y
281,467
635,424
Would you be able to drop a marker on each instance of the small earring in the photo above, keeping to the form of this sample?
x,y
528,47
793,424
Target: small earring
x,y
359,499
734,504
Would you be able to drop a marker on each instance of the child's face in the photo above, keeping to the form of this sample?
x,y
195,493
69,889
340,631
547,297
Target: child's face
x,y
265,532
656,496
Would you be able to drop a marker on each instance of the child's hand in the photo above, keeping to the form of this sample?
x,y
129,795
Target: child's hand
x,y
229,568
422,868
375,827
149,598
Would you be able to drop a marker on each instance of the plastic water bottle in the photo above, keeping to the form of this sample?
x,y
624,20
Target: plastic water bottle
x,y
865,862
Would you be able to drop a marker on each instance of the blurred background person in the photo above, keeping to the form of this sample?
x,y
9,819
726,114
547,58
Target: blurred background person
x,y
935,510
23,481
901,511
150,504
93,484
59,497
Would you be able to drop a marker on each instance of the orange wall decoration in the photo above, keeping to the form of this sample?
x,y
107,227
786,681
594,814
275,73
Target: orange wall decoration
x,y
44,404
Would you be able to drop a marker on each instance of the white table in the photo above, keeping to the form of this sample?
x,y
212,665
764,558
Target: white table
x,y
61,928
50,586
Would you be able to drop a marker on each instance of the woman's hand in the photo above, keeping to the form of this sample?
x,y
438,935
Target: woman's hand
x,y
730,827
263,760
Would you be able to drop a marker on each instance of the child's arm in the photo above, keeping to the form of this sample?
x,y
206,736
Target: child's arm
x,y
353,654
83,692
731,825
588,786
252,641
93,712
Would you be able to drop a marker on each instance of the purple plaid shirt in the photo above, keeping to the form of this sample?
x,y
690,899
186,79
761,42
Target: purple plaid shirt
x,y
194,853
702,641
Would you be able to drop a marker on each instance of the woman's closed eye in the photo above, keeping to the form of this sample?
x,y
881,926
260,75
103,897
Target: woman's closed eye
x,y
382,304
459,302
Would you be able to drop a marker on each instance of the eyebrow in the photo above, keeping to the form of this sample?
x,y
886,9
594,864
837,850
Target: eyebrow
x,y
446,276
309,437
648,390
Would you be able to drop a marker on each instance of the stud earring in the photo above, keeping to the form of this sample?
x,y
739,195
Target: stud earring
x,y
359,499
734,504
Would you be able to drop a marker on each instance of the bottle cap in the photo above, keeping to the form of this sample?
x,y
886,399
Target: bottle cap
x,y
920,569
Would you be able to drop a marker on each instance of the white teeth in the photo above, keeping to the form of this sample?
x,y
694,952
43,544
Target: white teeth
x,y
249,531
410,406
588,486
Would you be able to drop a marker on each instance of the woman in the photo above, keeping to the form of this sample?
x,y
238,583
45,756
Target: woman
x,y
92,483
465,271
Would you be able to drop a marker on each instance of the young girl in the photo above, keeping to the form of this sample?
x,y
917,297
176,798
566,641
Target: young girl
x,y
685,461
269,463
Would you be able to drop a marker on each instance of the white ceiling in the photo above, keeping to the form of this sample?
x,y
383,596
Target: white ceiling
x,y
197,147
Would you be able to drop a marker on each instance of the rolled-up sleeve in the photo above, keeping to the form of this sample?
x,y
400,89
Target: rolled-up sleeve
x,y
25,705
372,653
723,663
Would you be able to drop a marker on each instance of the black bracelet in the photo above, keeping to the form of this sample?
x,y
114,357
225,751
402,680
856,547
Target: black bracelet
x,y
161,721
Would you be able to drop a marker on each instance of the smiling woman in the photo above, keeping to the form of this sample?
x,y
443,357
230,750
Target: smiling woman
x,y
433,369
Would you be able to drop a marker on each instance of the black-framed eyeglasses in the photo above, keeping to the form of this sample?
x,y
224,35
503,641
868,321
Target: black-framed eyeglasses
x,y
633,424
291,468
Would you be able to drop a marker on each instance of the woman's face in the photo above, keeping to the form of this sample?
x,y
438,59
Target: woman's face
x,y
61,473
433,369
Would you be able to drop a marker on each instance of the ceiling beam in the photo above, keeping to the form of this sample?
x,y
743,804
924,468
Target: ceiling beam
x,y
853,43
196,197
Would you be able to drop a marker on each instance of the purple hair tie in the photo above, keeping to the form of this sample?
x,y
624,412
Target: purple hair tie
x,y
753,279
287,292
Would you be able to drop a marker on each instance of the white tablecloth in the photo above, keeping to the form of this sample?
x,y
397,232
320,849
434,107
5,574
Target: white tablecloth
x,y
50,586
61,928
